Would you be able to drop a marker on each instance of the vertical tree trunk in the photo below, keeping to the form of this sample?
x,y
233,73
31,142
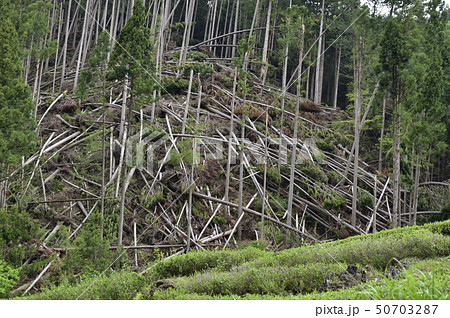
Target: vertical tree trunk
x,y
416,188
283,96
374,224
236,20
294,138
396,164
266,45
358,78
230,138
83,37
380,154
66,43
317,96
60,25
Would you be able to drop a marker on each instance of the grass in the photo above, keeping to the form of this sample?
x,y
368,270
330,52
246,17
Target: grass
x,y
252,273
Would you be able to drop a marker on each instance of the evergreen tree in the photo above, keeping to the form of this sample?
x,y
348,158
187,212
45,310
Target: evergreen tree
x,y
132,56
16,120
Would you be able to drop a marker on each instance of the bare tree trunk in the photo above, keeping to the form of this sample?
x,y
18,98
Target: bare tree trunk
x,y
283,96
358,78
336,76
183,128
233,51
294,138
416,188
230,145
374,224
266,45
396,165
380,154
83,37
57,46
66,43
317,97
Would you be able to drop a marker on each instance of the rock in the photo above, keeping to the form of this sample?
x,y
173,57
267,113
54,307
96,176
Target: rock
x,y
352,276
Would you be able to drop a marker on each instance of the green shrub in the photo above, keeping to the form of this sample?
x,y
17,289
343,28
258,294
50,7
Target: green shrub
x,y
16,229
324,146
188,264
8,278
313,171
365,202
176,86
259,280
117,286
334,202
199,68
91,253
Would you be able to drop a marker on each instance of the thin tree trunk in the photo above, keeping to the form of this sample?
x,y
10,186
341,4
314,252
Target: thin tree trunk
x,y
230,145
83,37
317,96
283,96
358,78
294,138
416,188
336,76
380,154
266,45
396,164
236,20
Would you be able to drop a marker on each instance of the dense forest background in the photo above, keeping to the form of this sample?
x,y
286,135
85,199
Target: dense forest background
x,y
134,130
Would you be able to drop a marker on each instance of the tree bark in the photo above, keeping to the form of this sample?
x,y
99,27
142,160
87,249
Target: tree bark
x,y
317,97
336,76
294,138
380,154
266,45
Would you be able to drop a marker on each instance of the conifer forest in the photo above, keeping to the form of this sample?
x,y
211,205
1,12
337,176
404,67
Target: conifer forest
x,y
224,149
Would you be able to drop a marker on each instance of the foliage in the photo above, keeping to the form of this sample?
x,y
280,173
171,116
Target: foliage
x,y
91,253
17,228
132,56
199,68
16,120
313,171
117,286
188,264
8,278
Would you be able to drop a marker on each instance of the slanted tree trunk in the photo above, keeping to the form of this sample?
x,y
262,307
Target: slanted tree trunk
x,y
337,66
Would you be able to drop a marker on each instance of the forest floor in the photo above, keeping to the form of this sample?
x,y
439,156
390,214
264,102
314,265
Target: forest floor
x,y
406,263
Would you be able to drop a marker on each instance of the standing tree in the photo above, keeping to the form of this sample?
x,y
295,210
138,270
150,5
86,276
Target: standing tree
x,y
393,57
16,105
132,62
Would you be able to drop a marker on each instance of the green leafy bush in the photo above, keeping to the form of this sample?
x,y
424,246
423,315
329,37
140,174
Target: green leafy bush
x,y
8,278
260,280
117,286
17,228
188,264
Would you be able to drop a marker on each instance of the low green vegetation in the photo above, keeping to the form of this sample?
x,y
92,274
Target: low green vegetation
x,y
254,273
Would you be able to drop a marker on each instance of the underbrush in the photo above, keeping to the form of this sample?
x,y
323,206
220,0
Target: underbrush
x,y
417,283
116,286
252,273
